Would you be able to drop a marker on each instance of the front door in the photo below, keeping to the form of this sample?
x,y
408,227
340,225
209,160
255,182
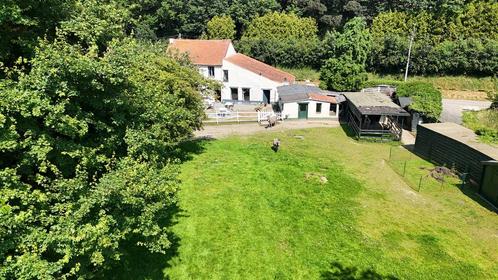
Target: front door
x,y
266,96
303,111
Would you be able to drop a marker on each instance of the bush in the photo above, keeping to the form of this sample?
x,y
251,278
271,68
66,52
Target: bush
x,y
427,100
342,74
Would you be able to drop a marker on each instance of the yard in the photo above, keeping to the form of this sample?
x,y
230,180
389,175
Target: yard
x,y
249,213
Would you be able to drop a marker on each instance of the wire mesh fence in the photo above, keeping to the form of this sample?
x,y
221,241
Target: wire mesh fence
x,y
422,175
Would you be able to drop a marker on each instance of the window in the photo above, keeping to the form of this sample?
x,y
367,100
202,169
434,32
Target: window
x,y
235,93
211,71
318,107
246,92
225,75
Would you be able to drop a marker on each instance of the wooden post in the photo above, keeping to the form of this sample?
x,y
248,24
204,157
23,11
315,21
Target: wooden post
x,y
412,37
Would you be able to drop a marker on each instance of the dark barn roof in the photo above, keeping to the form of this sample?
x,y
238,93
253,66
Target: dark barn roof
x,y
404,102
292,93
375,104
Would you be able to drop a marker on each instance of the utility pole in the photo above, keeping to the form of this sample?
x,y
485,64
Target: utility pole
x,y
412,37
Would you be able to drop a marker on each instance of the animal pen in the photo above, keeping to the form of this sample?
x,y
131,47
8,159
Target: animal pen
x,y
458,147
374,115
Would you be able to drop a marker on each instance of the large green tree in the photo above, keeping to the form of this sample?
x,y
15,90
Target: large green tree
x,y
190,17
346,55
220,27
23,22
88,138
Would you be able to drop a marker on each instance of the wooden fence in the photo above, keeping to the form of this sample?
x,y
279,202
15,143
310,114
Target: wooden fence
x,y
239,117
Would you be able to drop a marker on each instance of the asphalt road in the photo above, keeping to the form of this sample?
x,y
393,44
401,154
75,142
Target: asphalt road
x,y
453,109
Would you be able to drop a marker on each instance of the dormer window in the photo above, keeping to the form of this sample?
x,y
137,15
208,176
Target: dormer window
x,y
211,71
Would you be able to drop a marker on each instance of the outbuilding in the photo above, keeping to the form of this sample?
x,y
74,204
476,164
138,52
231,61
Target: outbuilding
x,y
458,147
308,102
374,115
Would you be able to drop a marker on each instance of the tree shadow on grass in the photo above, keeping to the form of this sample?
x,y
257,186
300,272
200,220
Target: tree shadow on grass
x,y
339,272
137,262
186,150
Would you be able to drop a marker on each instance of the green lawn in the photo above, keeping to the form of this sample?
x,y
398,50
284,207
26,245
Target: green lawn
x,y
249,213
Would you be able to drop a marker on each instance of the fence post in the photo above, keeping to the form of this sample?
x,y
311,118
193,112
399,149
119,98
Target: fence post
x,y
404,169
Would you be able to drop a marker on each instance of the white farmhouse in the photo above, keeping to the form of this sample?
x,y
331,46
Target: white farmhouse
x,y
244,79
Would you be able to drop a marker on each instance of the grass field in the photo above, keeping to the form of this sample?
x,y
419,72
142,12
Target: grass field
x,y
249,213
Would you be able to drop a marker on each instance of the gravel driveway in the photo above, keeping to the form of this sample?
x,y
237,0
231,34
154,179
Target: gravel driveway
x,y
220,131
453,109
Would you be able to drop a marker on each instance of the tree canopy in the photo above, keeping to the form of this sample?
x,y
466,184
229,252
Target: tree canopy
x,y
220,27
88,138
282,39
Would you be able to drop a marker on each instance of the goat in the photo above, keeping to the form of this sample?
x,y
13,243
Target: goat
x,y
276,145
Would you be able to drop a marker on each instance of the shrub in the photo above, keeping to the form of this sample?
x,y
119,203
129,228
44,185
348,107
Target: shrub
x,y
426,98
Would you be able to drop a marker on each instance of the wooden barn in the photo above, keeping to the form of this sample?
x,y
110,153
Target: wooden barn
x,y
458,147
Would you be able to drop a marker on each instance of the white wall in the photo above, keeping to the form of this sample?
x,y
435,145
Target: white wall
x,y
218,72
239,77
291,110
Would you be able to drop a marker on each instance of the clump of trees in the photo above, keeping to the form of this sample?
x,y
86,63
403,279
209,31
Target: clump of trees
x,y
87,141
282,39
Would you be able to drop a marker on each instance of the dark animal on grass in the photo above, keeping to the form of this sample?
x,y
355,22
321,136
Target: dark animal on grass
x,y
276,145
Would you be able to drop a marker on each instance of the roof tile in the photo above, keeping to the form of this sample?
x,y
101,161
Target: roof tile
x,y
261,68
202,52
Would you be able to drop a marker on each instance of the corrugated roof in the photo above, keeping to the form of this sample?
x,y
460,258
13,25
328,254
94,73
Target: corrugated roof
x,y
375,104
463,135
202,52
405,101
261,68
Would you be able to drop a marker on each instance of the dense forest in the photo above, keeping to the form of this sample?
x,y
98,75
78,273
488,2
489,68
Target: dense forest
x,y
92,110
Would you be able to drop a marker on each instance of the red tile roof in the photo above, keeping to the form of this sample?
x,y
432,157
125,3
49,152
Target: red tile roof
x,y
322,98
202,52
261,68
